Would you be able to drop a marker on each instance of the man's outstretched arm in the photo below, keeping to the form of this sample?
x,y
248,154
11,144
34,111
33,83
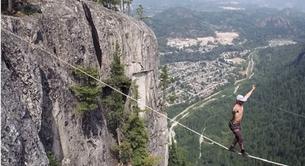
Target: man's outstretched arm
x,y
250,92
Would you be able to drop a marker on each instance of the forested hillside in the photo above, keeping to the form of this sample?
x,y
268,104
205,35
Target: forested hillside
x,y
273,125
208,5
254,26
218,51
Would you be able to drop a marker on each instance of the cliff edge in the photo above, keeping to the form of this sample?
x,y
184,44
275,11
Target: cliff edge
x,y
38,108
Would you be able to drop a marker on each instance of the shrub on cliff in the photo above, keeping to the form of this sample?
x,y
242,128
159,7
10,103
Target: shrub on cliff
x,y
127,126
87,90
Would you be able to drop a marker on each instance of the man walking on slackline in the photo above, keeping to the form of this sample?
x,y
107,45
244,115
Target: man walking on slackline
x,y
235,122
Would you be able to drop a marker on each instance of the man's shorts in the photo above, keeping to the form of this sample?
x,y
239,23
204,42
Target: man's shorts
x,y
234,126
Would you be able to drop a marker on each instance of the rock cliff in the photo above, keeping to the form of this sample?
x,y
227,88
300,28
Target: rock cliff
x,y
38,109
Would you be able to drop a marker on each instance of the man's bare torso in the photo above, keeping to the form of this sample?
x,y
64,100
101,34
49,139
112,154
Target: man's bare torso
x,y
237,112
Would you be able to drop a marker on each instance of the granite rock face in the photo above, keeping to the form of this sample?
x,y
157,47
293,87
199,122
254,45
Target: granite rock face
x,y
38,108
18,137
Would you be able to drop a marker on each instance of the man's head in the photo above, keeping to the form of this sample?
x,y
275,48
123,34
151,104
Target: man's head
x,y
240,99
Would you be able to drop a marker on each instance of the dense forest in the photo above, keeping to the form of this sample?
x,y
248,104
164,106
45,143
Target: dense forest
x,y
255,28
183,22
212,5
273,125
274,118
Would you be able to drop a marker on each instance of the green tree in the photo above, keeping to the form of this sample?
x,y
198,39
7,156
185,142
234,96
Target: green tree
x,y
117,75
176,156
103,2
165,80
110,4
136,134
87,90
140,12
125,152
114,4
52,160
172,97
115,101
127,126
115,115
164,84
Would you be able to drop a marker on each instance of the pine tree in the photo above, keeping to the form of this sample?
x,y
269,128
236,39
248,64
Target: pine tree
x,y
115,101
140,12
87,90
52,160
164,83
117,75
127,126
176,156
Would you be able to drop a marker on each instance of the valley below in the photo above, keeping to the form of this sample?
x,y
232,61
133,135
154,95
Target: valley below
x,y
210,62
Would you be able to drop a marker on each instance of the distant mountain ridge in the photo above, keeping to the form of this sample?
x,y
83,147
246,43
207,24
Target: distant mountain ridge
x,y
258,24
205,4
262,16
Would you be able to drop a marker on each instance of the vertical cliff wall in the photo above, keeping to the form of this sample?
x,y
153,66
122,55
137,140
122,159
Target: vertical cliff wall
x,y
38,108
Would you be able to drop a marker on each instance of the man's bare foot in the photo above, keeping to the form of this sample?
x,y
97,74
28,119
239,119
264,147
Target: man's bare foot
x,y
244,153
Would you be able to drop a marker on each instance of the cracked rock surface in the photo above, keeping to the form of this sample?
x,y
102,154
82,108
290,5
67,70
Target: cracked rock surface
x,y
38,109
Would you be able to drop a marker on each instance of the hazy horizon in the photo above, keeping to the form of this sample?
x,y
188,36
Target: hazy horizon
x,y
160,5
